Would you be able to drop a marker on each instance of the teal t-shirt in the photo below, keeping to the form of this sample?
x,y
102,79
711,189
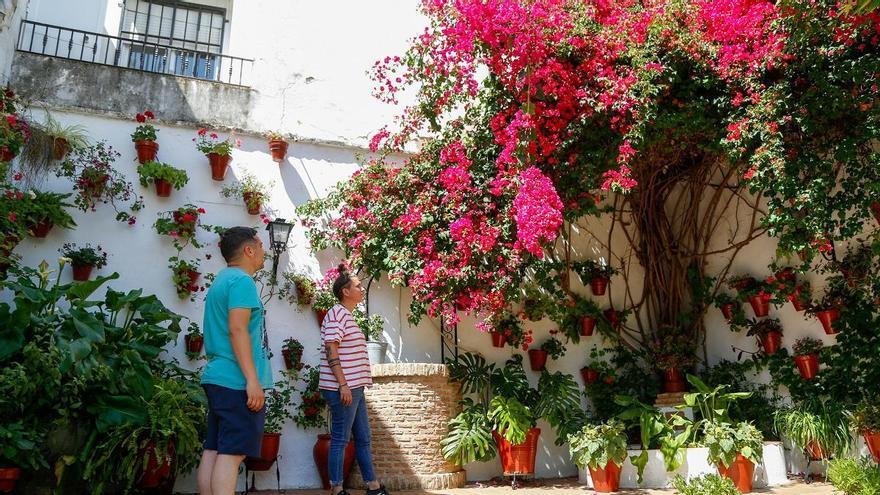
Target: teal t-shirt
x,y
233,288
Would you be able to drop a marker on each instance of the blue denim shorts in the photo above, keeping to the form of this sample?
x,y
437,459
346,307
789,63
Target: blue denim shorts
x,y
233,429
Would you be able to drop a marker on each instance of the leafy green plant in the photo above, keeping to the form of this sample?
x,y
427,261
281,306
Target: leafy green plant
x,y
857,262
297,288
324,299
184,275
835,296
759,407
854,476
590,269
760,328
515,334
596,446
278,403
86,255
40,206
674,348
726,441
370,325
815,422
146,131
806,346
576,307
712,404
293,346
21,447
249,189
866,416
554,347
657,429
211,143
153,171
311,407
707,484
75,134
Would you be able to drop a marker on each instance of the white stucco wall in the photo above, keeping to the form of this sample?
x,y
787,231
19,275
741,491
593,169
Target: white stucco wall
x,y
15,11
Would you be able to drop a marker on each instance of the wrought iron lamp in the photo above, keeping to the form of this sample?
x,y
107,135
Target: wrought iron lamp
x,y
279,233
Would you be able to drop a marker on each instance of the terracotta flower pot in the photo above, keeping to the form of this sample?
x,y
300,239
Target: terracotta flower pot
x,y
320,314
185,227
538,359
81,273
815,451
268,453
875,209
796,299
60,147
727,310
872,439
771,342
760,305
607,479
193,276
828,317
608,380
42,228
321,455
808,366
194,342
292,361
518,458
740,472
278,148
673,381
589,375
588,324
156,471
8,478
612,317
498,339
163,188
219,165
146,150
254,202
6,155
598,285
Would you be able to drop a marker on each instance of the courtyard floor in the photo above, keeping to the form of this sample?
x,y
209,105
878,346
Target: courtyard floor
x,y
566,487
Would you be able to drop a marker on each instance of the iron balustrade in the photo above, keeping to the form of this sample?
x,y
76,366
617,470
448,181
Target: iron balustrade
x,y
103,49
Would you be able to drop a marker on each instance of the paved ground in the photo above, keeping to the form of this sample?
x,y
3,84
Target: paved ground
x,y
566,487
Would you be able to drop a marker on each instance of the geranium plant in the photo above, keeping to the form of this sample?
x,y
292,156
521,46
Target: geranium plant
x,y
591,269
806,346
674,348
182,225
511,327
14,133
210,142
310,410
185,276
85,255
761,328
324,298
145,131
297,288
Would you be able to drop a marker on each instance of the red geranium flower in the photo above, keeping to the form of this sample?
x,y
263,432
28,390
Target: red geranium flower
x,y
202,131
149,114
140,118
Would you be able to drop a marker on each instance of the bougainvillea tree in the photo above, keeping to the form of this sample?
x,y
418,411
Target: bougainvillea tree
x,y
693,126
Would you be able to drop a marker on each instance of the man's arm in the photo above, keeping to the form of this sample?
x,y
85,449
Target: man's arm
x,y
332,350
241,346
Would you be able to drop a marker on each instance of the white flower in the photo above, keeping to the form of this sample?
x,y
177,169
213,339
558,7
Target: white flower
x,y
33,194
64,260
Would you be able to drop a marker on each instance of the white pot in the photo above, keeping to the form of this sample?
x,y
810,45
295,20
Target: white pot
x,y
376,351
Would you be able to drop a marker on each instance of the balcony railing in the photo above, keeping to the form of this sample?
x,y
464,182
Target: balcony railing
x,y
84,46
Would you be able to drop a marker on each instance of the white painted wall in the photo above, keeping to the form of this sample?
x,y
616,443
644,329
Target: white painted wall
x,y
14,11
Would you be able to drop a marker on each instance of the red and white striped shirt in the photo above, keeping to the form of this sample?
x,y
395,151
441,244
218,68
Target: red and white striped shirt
x,y
339,326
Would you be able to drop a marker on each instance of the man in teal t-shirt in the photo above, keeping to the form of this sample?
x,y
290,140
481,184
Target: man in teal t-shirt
x,y
238,367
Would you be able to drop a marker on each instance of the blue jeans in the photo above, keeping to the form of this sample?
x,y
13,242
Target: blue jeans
x,y
345,421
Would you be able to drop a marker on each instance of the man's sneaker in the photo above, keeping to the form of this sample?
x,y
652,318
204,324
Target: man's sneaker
x,y
379,491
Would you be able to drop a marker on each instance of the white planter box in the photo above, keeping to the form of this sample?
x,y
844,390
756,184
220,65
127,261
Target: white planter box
x,y
770,473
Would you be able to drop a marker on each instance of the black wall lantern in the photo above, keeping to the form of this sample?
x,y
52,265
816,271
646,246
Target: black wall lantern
x,y
279,233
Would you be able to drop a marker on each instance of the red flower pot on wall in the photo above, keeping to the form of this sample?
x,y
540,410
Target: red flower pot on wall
x,y
146,150
872,439
163,188
607,479
589,375
727,310
760,304
193,277
771,342
253,202
673,381
42,228
60,147
194,342
156,470
320,314
518,458
8,478
291,361
321,454
740,473
537,359
81,273
278,148
268,453
598,286
796,299
588,324
612,317
828,317
219,165
498,339
808,366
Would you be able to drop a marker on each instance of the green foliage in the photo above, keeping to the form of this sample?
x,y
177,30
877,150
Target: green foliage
x,y
311,408
712,404
674,347
707,484
854,477
278,403
96,180
371,325
249,189
39,206
153,171
726,441
866,416
632,378
758,407
806,346
86,255
590,269
470,435
596,446
656,430
324,299
20,446
821,422
554,347
559,404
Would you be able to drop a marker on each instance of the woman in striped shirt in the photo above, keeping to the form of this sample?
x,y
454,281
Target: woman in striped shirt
x,y
345,371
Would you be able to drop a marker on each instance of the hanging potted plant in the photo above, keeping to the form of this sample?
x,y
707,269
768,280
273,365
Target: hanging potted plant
x,y
64,138
827,311
277,146
674,355
291,351
729,307
371,326
741,282
768,333
857,263
299,289
311,412
735,450
185,276
164,176
219,152
579,317
253,192
194,340
552,347
83,259
596,274
44,210
324,300
757,293
806,356
144,137
597,368
866,420
509,330
613,317
601,449
181,225
14,133
21,451
820,429
278,402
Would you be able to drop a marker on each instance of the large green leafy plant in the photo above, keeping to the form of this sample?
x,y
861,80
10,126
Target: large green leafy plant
x,y
595,446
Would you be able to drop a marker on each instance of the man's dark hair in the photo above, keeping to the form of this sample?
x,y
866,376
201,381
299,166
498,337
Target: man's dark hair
x,y
233,239
341,282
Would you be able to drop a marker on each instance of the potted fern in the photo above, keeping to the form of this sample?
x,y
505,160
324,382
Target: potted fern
x,y
144,137
164,176
252,191
277,146
45,210
601,449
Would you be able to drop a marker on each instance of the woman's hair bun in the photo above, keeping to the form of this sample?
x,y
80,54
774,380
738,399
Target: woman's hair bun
x,y
342,268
